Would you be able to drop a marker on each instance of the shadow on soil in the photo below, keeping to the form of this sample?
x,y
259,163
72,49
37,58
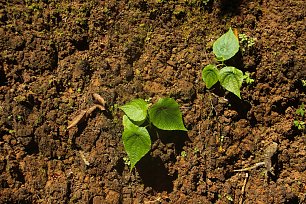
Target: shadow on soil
x,y
152,170
154,174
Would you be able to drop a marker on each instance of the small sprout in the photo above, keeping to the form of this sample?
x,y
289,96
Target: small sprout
x,y
301,110
196,150
230,198
20,117
11,131
300,125
247,78
127,161
246,42
148,100
183,154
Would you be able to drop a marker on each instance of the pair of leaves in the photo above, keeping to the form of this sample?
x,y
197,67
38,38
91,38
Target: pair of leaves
x,y
164,115
230,78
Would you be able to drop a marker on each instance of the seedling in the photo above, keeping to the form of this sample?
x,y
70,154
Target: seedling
x,y
126,161
183,154
246,42
300,112
139,116
229,77
247,78
300,125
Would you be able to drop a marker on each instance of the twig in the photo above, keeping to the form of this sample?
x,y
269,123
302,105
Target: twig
x,y
250,168
243,187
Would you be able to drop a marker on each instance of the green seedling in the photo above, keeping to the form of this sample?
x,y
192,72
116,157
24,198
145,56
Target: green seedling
x,y
246,42
247,78
229,77
300,112
183,154
139,116
300,125
127,161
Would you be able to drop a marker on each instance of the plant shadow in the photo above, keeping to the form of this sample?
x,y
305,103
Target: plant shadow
x,y
154,174
152,169
230,6
242,107
178,138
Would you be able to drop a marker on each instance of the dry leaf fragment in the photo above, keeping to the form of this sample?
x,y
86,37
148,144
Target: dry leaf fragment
x,y
100,107
99,98
90,110
77,119
86,113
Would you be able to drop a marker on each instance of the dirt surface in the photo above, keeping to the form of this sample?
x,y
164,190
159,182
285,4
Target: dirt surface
x,y
56,54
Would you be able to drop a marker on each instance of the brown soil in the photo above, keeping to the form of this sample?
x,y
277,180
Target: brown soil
x,y
56,54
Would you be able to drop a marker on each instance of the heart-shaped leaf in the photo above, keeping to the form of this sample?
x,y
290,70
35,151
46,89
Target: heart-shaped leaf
x,y
166,115
136,141
136,110
231,79
210,75
226,46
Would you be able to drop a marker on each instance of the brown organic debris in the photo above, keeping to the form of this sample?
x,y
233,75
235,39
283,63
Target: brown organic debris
x,y
84,114
100,99
77,119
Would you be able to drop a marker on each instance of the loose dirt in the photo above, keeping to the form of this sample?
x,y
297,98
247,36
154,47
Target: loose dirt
x,y
56,54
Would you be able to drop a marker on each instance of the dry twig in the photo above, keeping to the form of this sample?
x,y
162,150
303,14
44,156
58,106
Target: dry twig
x,y
243,187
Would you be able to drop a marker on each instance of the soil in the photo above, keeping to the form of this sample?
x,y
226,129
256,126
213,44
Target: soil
x,y
56,54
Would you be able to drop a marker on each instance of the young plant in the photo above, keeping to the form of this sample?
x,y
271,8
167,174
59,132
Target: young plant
x,y
247,42
299,124
229,77
139,115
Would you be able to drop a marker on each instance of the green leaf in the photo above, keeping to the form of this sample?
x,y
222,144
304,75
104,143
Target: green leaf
x,y
127,123
210,75
226,46
231,79
301,110
166,115
136,141
136,110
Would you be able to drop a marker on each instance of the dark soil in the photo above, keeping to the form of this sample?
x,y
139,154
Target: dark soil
x,y
56,54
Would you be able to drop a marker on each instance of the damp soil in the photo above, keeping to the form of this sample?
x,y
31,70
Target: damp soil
x,y
56,54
